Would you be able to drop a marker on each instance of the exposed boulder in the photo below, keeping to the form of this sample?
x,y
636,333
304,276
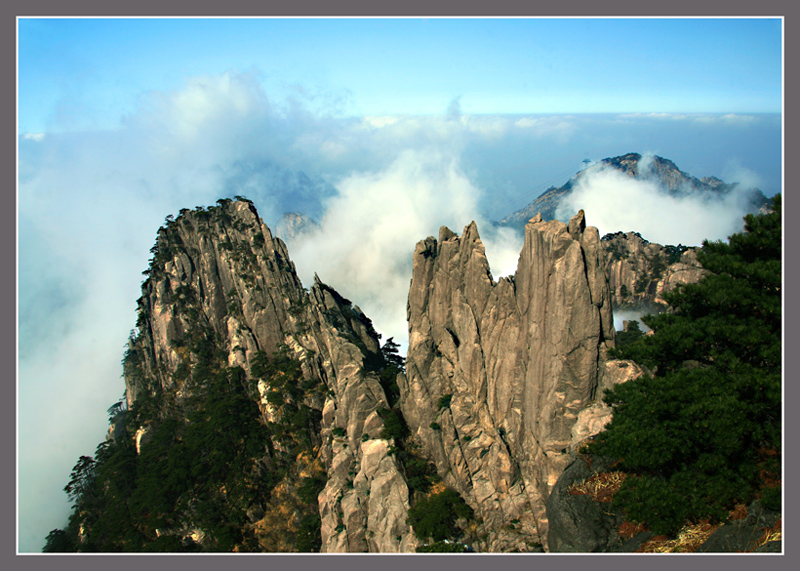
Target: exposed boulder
x,y
577,523
582,519
747,534
594,418
503,383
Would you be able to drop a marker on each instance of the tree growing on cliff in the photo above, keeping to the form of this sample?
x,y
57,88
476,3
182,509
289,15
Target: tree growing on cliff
x,y
704,431
435,516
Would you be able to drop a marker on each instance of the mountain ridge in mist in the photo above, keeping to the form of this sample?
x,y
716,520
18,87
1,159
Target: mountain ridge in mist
x,y
660,172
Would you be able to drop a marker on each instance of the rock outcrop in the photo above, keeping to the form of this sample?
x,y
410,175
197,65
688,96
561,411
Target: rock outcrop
x,y
577,523
640,272
503,378
594,418
750,534
220,282
583,519
294,225
498,371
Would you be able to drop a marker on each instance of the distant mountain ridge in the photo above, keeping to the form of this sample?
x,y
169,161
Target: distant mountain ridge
x,y
667,176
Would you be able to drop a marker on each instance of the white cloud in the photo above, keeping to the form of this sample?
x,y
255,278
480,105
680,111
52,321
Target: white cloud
x,y
614,202
623,315
90,205
736,172
703,118
379,121
664,116
366,239
561,127
503,247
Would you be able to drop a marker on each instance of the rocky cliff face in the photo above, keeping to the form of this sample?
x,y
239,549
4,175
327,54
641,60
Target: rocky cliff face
x,y
640,272
498,371
503,382
220,283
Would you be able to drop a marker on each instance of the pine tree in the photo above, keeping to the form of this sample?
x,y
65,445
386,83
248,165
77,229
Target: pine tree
x,y
704,431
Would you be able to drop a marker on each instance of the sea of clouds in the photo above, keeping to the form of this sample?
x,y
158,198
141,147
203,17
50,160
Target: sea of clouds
x,y
90,203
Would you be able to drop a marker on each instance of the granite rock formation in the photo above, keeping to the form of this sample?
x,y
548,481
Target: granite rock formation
x,y
578,524
294,225
503,380
220,275
583,519
640,272
498,371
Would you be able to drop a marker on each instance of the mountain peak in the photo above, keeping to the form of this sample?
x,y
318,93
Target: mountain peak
x,y
664,173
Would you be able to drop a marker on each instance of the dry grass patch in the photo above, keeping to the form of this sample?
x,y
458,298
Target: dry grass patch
x,y
599,487
436,489
689,538
630,530
774,533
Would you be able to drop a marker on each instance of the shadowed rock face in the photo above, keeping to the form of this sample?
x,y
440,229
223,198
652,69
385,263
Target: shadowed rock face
x,y
220,274
520,357
578,524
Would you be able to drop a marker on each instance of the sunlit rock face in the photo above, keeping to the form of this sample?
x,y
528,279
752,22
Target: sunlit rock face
x,y
641,272
594,418
219,275
502,377
498,371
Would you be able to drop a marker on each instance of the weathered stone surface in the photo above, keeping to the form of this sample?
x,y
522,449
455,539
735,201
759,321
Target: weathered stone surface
x,y
746,535
770,547
294,225
641,272
578,524
593,419
504,378
222,271
687,271
636,542
521,358
733,537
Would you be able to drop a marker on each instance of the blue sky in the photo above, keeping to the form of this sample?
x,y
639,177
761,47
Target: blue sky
x,y
382,130
93,70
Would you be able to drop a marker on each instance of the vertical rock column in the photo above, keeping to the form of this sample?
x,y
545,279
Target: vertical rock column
x,y
498,371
